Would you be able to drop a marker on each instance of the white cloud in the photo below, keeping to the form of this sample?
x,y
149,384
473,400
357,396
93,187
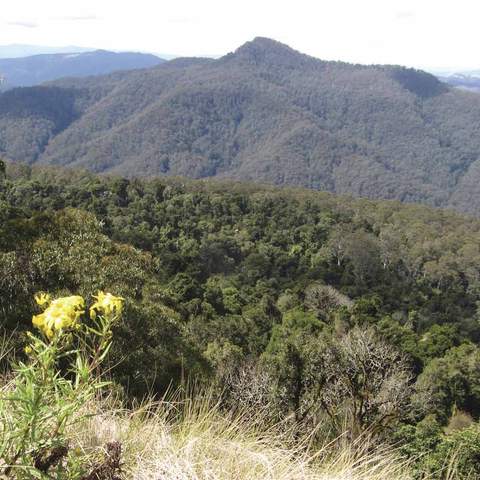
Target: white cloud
x,y
405,15
77,18
23,24
183,19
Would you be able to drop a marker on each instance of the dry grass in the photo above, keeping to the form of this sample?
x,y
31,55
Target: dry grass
x,y
185,439
191,440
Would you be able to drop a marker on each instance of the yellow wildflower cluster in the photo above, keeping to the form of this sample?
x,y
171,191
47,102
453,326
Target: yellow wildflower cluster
x,y
63,313
42,299
60,314
107,305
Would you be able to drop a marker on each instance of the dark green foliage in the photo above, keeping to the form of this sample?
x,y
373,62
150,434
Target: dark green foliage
x,y
464,447
65,251
453,381
220,276
442,456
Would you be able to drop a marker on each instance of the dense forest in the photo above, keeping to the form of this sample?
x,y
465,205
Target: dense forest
x,y
263,113
332,311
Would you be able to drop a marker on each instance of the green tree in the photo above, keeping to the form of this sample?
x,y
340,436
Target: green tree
x,y
453,381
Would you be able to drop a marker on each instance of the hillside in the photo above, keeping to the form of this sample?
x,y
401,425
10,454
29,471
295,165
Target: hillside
x,y
322,312
33,70
265,113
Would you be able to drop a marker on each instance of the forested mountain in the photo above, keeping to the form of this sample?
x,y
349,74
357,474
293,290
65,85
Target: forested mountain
x,y
33,70
264,113
332,312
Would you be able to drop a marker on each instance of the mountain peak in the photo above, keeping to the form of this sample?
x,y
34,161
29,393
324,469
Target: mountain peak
x,y
264,44
262,50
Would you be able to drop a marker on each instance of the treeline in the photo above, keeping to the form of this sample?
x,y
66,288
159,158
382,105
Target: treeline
x,y
328,309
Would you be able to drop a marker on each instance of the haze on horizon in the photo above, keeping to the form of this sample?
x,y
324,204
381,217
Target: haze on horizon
x,y
431,34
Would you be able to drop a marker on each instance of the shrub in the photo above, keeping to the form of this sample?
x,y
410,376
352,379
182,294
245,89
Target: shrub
x,y
458,455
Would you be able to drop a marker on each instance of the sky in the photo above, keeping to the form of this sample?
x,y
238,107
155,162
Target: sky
x,y
429,34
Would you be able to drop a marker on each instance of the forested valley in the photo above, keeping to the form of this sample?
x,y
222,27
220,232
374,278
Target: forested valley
x,y
332,311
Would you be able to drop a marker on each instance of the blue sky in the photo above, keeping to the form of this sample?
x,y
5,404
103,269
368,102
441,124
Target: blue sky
x,y
422,33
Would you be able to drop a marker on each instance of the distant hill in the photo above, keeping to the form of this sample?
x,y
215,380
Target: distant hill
x,y
464,80
265,113
20,50
28,71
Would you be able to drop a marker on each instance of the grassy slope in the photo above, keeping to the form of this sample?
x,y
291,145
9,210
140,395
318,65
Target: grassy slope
x,y
191,440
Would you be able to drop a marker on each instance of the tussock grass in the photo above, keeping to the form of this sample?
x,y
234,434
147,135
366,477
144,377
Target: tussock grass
x,y
194,440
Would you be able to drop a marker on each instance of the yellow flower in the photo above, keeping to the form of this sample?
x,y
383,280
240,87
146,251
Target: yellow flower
x,y
75,301
106,304
61,314
28,349
37,321
42,299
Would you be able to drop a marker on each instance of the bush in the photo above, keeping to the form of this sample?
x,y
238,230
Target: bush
x,y
458,455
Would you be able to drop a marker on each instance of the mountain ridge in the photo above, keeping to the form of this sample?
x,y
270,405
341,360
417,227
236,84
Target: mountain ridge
x,y
264,113
37,69
18,50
